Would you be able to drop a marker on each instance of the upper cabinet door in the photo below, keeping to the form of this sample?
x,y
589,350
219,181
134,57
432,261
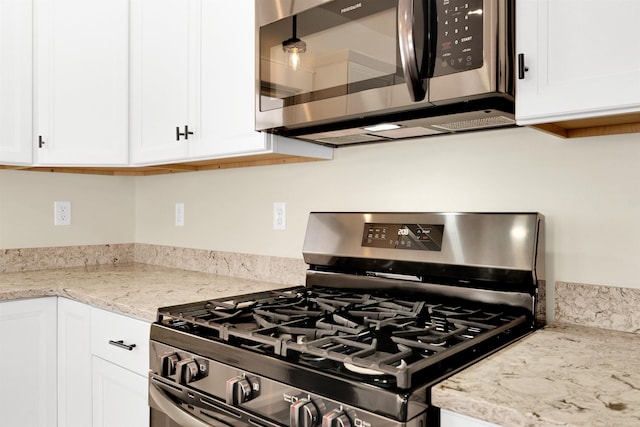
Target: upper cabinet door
x,y
15,81
164,79
192,89
582,59
228,81
81,82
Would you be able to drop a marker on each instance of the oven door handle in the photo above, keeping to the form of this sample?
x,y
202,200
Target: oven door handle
x,y
175,413
413,74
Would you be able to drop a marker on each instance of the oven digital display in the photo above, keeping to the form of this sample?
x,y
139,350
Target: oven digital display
x,y
420,237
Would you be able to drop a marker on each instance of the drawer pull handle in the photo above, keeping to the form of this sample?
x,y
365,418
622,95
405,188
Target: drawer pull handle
x,y
121,344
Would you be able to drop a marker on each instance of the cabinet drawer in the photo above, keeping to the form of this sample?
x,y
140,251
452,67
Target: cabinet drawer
x,y
110,329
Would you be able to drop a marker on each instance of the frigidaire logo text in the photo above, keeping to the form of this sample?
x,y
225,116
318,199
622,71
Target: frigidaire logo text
x,y
350,8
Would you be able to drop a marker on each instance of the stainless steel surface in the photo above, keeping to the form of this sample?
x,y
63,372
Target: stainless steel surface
x,y
273,10
341,120
491,240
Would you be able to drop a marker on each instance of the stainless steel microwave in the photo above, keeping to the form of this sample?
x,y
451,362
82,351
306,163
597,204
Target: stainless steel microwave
x,y
350,71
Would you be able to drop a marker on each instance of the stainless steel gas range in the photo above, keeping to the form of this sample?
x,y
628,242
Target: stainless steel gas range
x,y
393,303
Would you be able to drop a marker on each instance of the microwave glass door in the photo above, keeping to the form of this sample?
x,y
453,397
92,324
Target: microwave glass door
x,y
343,48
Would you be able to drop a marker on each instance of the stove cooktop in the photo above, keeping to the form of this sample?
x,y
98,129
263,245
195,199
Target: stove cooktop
x,y
387,340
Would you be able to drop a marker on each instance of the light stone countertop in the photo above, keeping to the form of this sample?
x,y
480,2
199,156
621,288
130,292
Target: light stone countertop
x,y
562,375
135,290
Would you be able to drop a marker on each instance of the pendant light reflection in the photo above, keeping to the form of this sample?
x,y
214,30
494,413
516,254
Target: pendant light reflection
x,y
293,47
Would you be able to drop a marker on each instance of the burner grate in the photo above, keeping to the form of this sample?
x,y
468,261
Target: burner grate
x,y
344,331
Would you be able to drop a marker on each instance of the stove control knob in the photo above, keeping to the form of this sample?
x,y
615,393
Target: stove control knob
x,y
336,418
304,413
239,390
187,371
167,363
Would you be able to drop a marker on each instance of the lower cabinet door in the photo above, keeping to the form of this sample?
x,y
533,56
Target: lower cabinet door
x,y
74,364
28,361
119,396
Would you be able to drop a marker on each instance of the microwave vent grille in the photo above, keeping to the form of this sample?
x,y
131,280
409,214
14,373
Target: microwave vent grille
x,y
483,122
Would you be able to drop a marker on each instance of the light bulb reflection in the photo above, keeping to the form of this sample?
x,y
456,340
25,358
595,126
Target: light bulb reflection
x,y
294,60
293,48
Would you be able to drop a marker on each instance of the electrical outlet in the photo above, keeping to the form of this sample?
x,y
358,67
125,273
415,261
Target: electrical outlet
x,y
179,214
61,213
279,216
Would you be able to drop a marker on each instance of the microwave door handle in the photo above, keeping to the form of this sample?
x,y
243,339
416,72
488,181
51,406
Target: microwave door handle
x,y
407,45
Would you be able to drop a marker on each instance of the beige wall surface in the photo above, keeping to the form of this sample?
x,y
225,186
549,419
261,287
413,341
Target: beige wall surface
x,y
587,189
102,209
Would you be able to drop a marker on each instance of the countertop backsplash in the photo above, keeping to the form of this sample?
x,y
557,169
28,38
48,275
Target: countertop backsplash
x,y
288,271
598,306
32,259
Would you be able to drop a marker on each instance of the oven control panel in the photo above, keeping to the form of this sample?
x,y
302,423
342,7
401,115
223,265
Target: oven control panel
x,y
420,237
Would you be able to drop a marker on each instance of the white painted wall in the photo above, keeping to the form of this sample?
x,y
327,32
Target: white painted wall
x,y
102,209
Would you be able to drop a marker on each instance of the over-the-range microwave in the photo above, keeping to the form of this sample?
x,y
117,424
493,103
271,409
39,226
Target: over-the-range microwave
x,y
351,71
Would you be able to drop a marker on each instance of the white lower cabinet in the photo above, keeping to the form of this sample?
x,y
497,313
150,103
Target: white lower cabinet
x,y
453,419
28,360
120,360
102,367
119,396
74,364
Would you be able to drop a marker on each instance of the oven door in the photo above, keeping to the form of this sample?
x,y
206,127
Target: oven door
x,y
175,406
335,60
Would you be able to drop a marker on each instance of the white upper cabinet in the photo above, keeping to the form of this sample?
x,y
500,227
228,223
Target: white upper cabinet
x,y
81,82
164,75
582,57
193,81
15,81
228,80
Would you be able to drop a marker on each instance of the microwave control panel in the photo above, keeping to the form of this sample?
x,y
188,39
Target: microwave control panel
x,y
459,36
